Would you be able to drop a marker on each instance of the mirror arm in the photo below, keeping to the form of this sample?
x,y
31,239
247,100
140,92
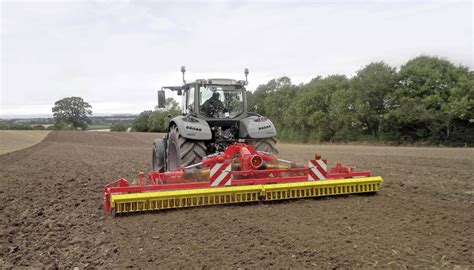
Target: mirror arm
x,y
246,72
183,70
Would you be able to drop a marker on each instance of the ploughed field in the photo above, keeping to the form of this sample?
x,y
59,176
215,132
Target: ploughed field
x,y
51,212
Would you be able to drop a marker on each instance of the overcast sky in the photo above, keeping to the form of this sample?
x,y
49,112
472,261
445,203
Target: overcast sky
x,y
117,54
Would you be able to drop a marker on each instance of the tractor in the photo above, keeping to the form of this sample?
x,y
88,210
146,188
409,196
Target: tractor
x,y
217,152
214,116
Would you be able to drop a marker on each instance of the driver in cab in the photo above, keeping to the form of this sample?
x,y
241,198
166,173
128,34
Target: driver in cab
x,y
213,105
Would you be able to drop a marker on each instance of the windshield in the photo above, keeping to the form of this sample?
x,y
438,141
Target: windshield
x,y
220,101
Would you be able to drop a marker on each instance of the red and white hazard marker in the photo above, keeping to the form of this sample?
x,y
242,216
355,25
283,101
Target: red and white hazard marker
x,y
317,170
220,175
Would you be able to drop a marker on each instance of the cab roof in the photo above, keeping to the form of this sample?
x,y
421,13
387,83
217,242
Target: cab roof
x,y
220,81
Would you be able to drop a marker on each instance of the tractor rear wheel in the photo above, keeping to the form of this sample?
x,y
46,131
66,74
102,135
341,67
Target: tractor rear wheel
x,y
182,151
265,145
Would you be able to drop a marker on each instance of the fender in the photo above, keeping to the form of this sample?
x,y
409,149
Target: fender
x,y
192,128
256,127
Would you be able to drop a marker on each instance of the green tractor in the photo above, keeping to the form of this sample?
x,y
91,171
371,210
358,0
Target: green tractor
x,y
214,115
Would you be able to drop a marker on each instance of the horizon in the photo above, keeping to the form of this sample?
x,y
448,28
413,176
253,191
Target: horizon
x,y
47,116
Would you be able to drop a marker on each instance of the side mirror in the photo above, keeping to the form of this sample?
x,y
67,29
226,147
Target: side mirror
x,y
161,99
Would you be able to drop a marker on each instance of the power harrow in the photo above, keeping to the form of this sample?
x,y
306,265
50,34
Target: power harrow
x,y
239,174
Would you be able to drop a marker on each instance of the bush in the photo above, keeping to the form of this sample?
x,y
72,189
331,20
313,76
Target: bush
x,y
20,127
4,126
38,127
118,127
62,125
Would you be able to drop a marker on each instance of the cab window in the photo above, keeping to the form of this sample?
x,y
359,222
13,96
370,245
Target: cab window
x,y
190,98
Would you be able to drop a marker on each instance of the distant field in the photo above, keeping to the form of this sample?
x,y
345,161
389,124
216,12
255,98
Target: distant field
x,y
99,130
96,127
13,140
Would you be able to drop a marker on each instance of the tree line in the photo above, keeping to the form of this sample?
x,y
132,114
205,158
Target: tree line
x,y
428,99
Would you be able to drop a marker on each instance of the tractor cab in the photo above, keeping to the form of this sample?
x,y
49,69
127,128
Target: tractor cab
x,y
212,99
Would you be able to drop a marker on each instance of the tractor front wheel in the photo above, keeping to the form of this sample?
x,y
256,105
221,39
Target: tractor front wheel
x,y
158,155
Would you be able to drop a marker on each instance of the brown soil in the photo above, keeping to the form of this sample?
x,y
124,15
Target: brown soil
x,y
51,212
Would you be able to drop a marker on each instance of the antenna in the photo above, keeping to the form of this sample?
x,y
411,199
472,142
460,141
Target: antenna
x,y
246,71
183,70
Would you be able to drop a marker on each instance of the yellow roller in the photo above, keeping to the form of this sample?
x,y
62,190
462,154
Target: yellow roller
x,y
321,188
150,201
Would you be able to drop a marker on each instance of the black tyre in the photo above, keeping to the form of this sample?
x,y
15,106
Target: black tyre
x,y
265,145
158,156
182,151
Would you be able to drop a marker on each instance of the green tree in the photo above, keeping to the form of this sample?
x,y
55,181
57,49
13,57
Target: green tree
x,y
373,89
309,114
278,101
343,115
140,124
73,111
257,98
158,119
172,106
434,99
